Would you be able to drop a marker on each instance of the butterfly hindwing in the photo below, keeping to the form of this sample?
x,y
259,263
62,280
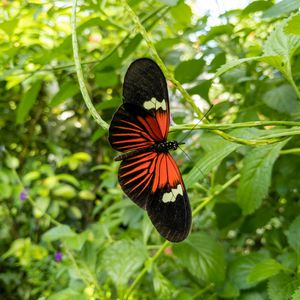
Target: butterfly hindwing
x,y
168,206
153,181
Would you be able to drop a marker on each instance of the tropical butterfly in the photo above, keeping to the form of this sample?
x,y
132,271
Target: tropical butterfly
x,y
148,174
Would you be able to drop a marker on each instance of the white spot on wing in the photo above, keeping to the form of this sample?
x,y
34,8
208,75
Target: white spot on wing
x,y
153,103
171,196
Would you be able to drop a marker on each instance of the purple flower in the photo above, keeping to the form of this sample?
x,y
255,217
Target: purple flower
x,y
23,195
58,256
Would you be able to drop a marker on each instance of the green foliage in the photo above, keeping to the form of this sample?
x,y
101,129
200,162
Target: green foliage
x,y
203,257
256,176
69,232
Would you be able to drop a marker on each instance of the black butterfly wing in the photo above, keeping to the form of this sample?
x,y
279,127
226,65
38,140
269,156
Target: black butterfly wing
x,y
153,181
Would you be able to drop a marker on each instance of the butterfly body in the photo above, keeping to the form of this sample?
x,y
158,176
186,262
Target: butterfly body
x,y
157,147
148,173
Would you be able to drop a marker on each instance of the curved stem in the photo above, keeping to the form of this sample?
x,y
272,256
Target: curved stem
x,y
232,125
79,72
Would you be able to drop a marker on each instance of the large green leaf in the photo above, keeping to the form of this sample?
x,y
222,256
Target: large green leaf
x,y
293,234
58,232
293,25
27,101
282,286
282,99
281,8
256,176
280,43
67,90
256,6
203,257
181,14
241,267
279,48
264,270
188,70
162,286
67,294
296,294
212,158
232,64
122,259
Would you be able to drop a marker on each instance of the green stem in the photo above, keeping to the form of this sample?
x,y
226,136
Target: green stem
x,y
290,151
216,193
80,77
291,79
233,125
147,266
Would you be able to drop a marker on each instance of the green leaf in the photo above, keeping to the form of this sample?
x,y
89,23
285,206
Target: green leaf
x,y
296,294
293,25
232,64
202,256
6,190
293,234
256,176
188,70
201,89
282,99
27,102
76,242
279,48
11,161
65,191
10,26
182,14
228,291
58,232
212,158
41,205
68,294
282,287
82,156
252,296
281,8
67,90
280,43
241,267
264,270
31,176
256,6
122,259
106,79
169,2
68,178
216,31
162,286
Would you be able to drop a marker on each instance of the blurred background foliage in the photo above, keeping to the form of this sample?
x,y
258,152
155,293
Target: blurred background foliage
x,y
67,230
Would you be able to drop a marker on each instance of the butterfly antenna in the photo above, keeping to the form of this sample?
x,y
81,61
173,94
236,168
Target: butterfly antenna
x,y
187,155
189,132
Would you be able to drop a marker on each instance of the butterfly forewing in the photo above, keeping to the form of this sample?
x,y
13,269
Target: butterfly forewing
x,y
148,176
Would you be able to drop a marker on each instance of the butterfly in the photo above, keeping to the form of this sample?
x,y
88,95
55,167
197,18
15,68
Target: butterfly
x,y
148,174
